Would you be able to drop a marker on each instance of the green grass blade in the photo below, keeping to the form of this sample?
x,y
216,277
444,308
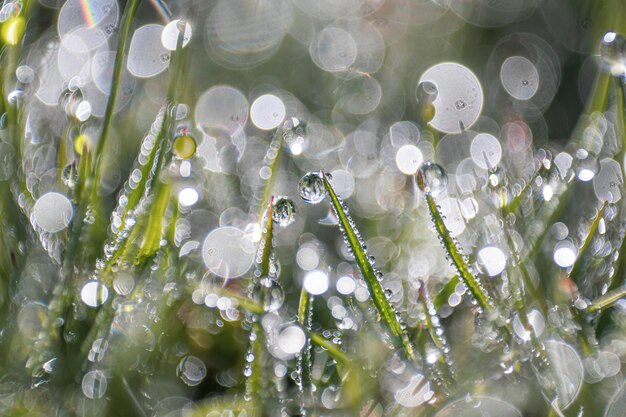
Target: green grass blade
x,y
607,300
476,288
305,319
377,292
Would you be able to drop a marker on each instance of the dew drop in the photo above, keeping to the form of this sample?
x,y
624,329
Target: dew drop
x,y
432,178
613,52
311,188
184,146
284,212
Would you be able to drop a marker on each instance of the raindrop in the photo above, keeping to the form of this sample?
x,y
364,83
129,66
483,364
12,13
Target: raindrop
x,y
284,212
432,178
564,254
311,188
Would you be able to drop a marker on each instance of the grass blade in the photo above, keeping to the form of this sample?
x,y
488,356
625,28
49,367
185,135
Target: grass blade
x,y
377,292
458,260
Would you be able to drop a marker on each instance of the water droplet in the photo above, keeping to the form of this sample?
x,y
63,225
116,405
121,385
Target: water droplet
x,y
184,146
311,188
432,178
613,52
274,295
284,211
70,175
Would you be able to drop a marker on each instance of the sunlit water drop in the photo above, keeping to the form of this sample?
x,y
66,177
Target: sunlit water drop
x,y
311,188
284,212
613,52
432,178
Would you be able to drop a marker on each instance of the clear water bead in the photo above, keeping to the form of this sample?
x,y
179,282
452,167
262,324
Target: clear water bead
x,y
613,52
284,211
274,295
311,188
432,178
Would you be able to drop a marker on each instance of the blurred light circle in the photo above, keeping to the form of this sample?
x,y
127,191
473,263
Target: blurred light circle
x,y
333,49
52,212
519,77
94,293
187,197
491,260
147,58
267,112
291,340
316,282
459,99
486,151
408,159
228,252
222,107
170,33
346,285
564,254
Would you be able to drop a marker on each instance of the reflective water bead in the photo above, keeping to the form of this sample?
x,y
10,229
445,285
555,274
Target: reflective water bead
x,y
184,146
311,188
613,52
274,295
432,178
284,211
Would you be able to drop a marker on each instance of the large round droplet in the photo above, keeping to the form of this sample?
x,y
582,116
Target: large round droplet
x,y
311,188
184,146
613,52
284,212
274,295
432,178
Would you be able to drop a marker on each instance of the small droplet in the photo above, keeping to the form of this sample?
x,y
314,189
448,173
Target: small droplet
x,y
311,188
274,295
613,52
432,178
284,212
184,146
